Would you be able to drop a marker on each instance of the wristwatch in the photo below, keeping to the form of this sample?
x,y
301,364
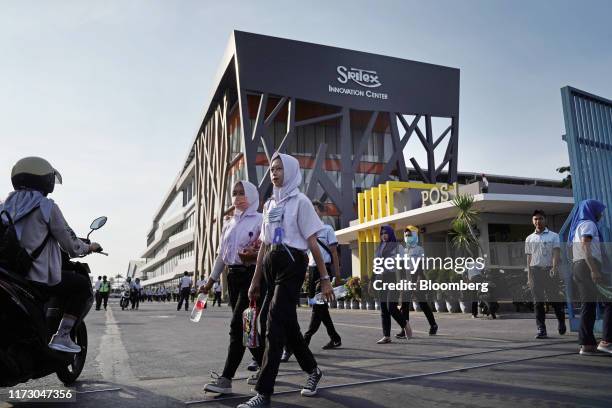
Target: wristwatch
x,y
326,277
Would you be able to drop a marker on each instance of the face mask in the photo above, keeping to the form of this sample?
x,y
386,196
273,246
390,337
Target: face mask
x,y
240,203
411,240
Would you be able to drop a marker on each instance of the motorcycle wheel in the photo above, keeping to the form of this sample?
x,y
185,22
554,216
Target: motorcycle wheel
x,y
69,374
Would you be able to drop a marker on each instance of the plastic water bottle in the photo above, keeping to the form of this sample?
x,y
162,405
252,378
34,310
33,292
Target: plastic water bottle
x,y
198,308
339,292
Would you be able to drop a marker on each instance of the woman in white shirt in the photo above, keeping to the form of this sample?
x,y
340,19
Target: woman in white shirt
x,y
586,238
239,239
289,229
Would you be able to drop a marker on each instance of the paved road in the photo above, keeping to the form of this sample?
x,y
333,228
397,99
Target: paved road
x,y
155,357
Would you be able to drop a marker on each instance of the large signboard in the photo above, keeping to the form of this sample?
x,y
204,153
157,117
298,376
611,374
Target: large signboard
x,y
342,77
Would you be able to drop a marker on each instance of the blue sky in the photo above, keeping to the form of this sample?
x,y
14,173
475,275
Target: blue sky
x,y
113,92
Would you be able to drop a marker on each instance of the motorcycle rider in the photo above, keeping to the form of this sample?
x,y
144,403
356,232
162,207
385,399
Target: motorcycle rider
x,y
38,220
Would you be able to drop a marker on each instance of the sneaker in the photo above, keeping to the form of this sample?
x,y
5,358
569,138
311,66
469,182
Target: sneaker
x,y
384,340
541,334
286,356
401,335
220,385
257,401
252,380
63,342
606,348
562,328
310,389
332,344
253,366
433,330
589,351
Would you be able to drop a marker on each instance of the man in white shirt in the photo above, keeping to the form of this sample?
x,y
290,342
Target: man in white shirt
x,y
542,248
218,290
185,284
97,292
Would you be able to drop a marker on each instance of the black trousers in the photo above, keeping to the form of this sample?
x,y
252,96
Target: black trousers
x,y
545,289
98,298
217,298
389,300
73,291
320,313
588,294
104,297
185,292
425,307
238,282
134,300
284,278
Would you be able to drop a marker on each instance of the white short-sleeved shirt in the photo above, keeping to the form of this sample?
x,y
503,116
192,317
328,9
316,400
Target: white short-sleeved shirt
x,y
300,221
185,282
97,285
540,247
327,235
217,287
586,229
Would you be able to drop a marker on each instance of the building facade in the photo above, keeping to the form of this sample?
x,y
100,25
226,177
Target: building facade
x,y
345,115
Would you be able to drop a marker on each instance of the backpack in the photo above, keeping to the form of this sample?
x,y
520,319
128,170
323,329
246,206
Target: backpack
x,y
13,256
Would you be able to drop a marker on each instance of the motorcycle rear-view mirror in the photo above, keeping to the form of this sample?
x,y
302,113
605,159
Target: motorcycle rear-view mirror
x,y
98,223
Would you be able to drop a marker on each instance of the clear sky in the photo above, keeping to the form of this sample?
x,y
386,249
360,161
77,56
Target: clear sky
x,y
112,92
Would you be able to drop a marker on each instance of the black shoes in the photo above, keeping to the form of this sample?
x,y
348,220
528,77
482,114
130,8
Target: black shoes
x,y
253,366
257,401
541,334
433,330
332,344
310,389
562,328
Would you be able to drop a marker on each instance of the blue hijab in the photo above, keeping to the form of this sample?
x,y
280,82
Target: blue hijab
x,y
386,249
588,210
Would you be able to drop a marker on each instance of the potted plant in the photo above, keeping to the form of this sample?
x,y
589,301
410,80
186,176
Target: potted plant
x,y
365,293
354,289
463,237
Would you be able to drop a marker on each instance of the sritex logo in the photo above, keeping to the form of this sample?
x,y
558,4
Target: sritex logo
x,y
363,77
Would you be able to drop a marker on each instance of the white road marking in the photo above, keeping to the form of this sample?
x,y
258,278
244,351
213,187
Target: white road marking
x,y
113,358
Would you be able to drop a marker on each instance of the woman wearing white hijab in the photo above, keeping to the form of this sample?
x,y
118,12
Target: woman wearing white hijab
x,y
238,240
289,229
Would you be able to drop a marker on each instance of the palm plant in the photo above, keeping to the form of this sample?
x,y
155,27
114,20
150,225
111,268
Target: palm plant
x,y
463,235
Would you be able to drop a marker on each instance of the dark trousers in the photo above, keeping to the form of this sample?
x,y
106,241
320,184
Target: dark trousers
x,y
388,305
320,313
217,298
98,298
104,297
588,295
73,291
284,279
238,282
185,292
425,308
134,300
545,289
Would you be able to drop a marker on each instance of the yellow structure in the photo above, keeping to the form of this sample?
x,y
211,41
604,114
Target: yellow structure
x,y
375,203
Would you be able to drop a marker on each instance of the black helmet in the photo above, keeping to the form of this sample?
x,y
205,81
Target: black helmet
x,y
35,173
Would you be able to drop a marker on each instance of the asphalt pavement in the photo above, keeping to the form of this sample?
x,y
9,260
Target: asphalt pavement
x,y
156,357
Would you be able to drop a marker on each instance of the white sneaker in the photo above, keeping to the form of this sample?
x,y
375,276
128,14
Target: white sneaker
x,y
220,385
63,342
252,380
607,348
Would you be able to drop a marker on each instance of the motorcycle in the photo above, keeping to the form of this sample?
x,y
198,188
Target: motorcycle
x,y
29,319
125,299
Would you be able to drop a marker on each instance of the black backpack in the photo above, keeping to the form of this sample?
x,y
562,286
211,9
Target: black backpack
x,y
13,256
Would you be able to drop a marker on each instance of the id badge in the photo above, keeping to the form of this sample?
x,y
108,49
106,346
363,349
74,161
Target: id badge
x,y
278,236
